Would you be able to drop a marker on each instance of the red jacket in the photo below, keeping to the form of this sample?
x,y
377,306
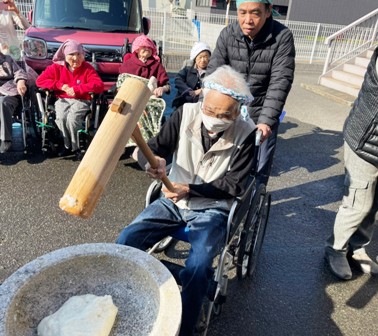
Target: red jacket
x,y
83,80
132,65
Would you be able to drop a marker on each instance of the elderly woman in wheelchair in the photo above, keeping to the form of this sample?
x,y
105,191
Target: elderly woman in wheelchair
x,y
13,85
213,150
72,79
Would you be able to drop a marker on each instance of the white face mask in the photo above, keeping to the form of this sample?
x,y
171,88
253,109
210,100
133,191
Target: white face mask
x,y
214,124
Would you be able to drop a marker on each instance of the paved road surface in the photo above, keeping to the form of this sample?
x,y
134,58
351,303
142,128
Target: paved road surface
x,y
292,292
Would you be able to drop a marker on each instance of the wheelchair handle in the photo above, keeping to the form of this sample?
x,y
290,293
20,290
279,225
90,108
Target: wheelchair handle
x,y
258,137
150,157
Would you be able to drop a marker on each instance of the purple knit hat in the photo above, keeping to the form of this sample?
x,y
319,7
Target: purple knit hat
x,y
68,47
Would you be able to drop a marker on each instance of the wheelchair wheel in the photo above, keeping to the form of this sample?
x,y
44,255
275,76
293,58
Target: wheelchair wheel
x,y
253,233
259,234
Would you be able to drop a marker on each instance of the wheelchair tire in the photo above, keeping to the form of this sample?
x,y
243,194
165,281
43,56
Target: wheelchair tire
x,y
252,235
259,235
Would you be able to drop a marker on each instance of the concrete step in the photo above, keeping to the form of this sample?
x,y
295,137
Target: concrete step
x,y
337,96
362,61
338,85
354,69
369,53
347,77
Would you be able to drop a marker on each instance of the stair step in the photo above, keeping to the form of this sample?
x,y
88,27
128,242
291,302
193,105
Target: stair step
x,y
369,53
347,77
355,69
340,86
362,61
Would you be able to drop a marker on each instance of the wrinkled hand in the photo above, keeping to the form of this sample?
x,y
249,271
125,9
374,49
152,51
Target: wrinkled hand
x,y
266,131
21,87
12,7
159,172
69,90
197,92
181,191
158,92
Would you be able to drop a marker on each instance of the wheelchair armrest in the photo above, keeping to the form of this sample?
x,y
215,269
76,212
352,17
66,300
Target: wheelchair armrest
x,y
251,185
112,89
45,91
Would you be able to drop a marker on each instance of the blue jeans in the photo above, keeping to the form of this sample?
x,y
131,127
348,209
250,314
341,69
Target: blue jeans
x,y
207,231
266,155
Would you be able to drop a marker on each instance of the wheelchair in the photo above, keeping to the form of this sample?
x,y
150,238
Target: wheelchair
x,y
246,228
25,116
51,137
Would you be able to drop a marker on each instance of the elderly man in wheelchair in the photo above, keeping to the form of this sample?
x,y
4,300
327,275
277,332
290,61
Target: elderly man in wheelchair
x,y
213,149
13,85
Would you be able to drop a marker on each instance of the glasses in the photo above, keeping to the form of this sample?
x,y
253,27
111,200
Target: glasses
x,y
223,116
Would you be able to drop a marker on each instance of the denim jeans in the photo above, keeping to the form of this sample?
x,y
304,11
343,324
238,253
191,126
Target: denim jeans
x,y
207,230
266,155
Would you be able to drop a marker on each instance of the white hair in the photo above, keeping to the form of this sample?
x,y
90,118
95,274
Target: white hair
x,y
230,79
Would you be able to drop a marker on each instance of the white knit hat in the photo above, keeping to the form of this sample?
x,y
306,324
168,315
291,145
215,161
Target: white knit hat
x,y
197,48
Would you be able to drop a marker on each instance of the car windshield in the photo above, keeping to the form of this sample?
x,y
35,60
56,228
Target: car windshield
x,y
98,15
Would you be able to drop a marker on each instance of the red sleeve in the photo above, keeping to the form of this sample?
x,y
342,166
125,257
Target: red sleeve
x,y
49,78
162,76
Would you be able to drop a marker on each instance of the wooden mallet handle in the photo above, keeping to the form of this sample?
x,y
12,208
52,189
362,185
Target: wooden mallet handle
x,y
150,157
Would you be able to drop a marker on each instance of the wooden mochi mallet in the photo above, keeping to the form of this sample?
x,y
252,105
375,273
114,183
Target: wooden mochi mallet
x,y
150,157
106,148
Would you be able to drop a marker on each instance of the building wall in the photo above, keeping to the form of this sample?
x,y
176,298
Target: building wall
x,y
341,12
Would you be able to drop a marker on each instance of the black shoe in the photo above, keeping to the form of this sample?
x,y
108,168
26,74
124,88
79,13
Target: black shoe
x,y
78,155
338,264
65,152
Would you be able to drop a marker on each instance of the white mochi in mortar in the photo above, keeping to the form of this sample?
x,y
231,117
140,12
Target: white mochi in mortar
x,y
84,315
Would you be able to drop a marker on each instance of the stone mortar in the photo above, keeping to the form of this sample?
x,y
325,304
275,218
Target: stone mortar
x,y
145,292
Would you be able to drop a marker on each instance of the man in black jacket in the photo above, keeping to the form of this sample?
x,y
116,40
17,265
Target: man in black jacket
x,y
262,49
354,223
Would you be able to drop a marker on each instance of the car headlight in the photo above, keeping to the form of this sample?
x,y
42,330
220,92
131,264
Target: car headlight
x,y
35,48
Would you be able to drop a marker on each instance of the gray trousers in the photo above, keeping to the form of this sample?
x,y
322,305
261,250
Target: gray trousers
x,y
70,114
354,223
8,105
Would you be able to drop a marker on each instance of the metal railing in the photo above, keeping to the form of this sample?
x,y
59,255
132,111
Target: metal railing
x,y
179,30
182,31
351,41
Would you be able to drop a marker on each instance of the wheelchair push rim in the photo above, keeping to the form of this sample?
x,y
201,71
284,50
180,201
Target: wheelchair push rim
x,y
253,233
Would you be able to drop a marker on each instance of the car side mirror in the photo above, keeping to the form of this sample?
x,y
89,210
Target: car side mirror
x,y
30,16
146,25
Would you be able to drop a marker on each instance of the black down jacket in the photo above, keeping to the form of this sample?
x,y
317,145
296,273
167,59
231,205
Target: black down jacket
x,y
268,66
361,126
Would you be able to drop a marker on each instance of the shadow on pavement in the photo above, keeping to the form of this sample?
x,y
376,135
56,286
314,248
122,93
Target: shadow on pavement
x,y
313,150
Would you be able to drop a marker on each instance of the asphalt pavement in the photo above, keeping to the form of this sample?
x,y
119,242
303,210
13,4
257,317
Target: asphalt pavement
x,y
292,292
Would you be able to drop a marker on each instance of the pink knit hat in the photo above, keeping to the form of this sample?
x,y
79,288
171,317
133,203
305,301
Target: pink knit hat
x,y
144,41
68,47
